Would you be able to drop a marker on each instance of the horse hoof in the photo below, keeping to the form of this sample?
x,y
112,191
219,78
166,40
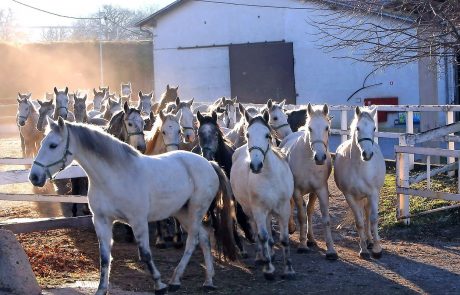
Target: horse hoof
x,y
364,255
292,229
303,250
160,245
161,291
370,245
178,245
332,256
269,276
209,288
311,244
173,288
288,276
377,255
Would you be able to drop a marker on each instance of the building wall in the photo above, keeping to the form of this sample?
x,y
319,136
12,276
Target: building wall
x,y
319,77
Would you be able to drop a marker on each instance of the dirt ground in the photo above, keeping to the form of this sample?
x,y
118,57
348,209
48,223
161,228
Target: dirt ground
x,y
426,262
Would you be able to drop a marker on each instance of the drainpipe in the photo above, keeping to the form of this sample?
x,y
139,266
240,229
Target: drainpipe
x,y
151,35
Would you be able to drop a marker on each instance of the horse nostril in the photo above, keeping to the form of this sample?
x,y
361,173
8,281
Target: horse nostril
x,y
324,157
34,178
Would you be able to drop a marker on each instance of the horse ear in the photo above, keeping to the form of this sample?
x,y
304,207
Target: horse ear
x,y
282,103
52,124
19,100
66,90
61,123
55,91
357,111
152,117
19,94
140,93
199,116
269,103
84,97
40,102
373,112
241,109
94,91
190,102
177,88
247,116
325,109
214,117
162,115
177,101
150,94
266,116
235,99
222,100
309,109
167,87
126,107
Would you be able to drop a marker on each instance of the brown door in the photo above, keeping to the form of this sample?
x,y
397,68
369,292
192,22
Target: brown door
x,y
260,71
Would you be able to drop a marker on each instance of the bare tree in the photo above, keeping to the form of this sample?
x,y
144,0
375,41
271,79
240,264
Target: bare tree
x,y
115,23
55,34
7,31
390,32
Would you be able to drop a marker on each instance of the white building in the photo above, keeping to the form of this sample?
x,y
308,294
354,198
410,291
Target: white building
x,y
213,49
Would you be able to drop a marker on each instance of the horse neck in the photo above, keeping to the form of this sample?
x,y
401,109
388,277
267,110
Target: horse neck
x,y
155,144
354,148
224,155
32,120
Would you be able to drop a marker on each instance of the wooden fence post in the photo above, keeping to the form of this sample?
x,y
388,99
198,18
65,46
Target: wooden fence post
x,y
344,124
402,180
410,129
450,145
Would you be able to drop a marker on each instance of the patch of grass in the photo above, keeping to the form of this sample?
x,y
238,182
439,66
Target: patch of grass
x,y
420,225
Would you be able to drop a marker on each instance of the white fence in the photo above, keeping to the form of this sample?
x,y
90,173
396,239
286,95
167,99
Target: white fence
x,y
404,151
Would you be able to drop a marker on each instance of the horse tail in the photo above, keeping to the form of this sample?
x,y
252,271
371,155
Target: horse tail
x,y
223,230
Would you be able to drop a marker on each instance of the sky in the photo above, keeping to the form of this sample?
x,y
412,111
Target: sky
x,y
27,17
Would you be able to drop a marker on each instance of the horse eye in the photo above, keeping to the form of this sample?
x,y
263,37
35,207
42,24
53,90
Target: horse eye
x,y
178,131
275,118
374,128
130,125
164,133
357,128
309,129
267,135
247,135
53,146
327,128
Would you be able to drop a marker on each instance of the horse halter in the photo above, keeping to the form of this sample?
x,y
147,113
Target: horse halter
x,y
366,138
319,141
63,160
264,153
137,132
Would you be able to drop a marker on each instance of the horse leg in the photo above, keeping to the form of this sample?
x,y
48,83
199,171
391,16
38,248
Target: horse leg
x,y
260,218
177,240
367,224
283,218
103,227
160,242
23,145
323,195
292,225
271,242
373,202
355,206
141,233
298,199
193,220
243,221
238,241
311,242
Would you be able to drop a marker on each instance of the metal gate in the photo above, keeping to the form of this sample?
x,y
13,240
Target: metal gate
x,y
259,71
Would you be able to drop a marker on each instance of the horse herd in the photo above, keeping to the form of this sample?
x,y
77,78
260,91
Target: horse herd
x,y
219,166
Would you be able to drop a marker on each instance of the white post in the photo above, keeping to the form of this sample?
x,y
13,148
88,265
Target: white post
x,y
410,129
344,124
403,177
376,120
450,145
428,172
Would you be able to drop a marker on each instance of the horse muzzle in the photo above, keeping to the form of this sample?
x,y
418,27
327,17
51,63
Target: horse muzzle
x,y
36,179
256,168
320,159
21,123
367,156
141,148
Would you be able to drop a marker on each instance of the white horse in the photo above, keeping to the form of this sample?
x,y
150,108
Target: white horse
x,y
95,109
145,103
125,92
237,134
166,187
278,119
62,105
359,172
26,119
263,184
311,165
186,120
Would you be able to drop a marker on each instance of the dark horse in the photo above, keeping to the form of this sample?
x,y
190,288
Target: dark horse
x,y
214,147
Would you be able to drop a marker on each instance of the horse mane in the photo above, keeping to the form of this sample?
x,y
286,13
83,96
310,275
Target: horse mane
x,y
102,144
115,123
151,137
277,151
166,97
316,113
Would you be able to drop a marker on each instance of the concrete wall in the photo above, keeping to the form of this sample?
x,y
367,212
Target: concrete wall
x,y
319,77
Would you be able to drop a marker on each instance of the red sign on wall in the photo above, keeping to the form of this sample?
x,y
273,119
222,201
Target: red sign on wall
x,y
381,116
